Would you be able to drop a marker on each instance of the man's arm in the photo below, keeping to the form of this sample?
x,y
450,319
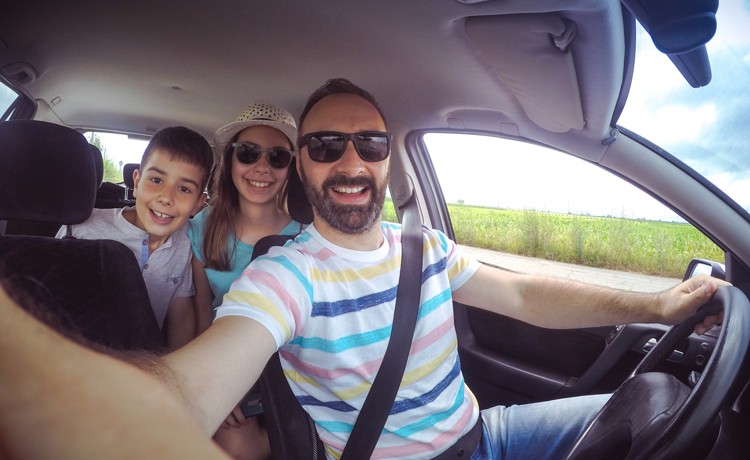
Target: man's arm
x,y
87,404
560,304
213,372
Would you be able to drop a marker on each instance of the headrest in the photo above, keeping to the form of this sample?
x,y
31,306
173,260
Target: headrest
x,y
127,174
297,204
47,173
98,163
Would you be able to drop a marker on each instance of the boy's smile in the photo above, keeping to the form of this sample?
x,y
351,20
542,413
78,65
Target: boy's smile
x,y
167,192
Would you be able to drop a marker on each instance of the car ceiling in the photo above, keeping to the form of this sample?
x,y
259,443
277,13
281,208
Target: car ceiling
x,y
139,66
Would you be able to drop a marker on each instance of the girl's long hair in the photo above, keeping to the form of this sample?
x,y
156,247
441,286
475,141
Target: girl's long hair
x,y
225,206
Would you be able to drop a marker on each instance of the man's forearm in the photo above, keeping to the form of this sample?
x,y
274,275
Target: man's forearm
x,y
562,304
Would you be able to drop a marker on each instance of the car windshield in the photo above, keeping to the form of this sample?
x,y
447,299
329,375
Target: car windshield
x,y
704,127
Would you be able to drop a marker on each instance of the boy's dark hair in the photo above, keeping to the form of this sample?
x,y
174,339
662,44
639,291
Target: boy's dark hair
x,y
337,86
183,144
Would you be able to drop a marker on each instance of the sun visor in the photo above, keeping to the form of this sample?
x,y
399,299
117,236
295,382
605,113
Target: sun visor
x,y
530,55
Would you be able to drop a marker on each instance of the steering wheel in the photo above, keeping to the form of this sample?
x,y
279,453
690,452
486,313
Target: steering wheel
x,y
655,416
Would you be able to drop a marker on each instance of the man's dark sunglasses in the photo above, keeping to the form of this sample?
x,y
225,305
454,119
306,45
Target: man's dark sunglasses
x,y
329,146
248,153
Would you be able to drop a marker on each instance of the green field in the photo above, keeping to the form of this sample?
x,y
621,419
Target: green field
x,y
656,248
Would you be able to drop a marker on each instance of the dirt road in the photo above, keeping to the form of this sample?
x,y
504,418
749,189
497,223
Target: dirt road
x,y
612,278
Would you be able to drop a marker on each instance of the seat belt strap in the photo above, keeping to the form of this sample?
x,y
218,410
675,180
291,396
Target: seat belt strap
x,y
379,400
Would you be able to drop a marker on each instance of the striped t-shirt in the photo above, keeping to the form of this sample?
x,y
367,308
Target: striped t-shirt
x,y
330,310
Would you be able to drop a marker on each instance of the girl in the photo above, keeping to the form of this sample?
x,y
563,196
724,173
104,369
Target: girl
x,y
247,203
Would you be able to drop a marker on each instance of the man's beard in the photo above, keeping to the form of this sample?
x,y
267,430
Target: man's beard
x,y
349,219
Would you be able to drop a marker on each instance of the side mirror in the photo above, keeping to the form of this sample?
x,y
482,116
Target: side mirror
x,y
703,266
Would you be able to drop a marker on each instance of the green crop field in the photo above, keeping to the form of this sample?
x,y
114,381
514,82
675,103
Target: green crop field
x,y
657,248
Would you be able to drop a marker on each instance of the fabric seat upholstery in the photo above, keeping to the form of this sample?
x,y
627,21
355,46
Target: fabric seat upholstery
x,y
291,431
89,287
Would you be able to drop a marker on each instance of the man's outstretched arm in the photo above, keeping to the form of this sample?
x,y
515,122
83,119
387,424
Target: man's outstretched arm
x,y
59,399
214,371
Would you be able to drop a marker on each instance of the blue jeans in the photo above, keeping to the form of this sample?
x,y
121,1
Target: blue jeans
x,y
544,430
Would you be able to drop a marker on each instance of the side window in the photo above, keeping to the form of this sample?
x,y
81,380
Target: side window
x,y
117,151
389,210
518,205
7,97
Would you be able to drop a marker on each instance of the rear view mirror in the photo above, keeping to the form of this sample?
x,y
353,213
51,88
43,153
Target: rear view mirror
x,y
703,266
680,29
676,26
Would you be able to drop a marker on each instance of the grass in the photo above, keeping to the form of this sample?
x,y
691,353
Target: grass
x,y
656,248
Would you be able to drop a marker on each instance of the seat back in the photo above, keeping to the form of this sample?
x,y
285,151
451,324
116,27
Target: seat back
x,y
92,287
127,177
47,177
111,195
98,163
291,431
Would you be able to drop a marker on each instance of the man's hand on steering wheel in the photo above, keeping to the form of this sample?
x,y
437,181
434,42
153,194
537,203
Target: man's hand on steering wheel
x,y
680,302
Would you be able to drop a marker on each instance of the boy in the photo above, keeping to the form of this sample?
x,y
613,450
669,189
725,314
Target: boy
x,y
168,188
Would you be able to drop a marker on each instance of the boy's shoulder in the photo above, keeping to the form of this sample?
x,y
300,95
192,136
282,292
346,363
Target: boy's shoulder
x,y
104,214
102,223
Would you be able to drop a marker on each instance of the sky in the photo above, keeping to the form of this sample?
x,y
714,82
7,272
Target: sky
x,y
706,128
118,148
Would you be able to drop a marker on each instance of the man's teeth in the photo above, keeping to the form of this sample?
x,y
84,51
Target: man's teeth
x,y
349,189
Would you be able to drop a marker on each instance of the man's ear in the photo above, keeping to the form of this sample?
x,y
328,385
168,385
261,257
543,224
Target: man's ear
x,y
136,180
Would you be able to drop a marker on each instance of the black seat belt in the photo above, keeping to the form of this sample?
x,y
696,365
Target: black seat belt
x,y
379,401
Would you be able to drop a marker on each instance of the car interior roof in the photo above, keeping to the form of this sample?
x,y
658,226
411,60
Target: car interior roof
x,y
431,63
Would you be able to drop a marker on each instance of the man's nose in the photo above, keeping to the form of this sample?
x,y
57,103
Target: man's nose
x,y
350,159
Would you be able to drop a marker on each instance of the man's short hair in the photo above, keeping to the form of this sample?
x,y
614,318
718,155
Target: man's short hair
x,y
337,86
182,144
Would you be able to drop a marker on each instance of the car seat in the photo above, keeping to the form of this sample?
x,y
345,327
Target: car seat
x,y
33,195
291,431
127,177
111,195
91,288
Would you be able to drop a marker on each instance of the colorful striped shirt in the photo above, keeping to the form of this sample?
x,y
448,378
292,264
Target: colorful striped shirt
x,y
330,310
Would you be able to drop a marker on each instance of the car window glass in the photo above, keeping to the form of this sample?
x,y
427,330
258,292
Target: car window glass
x,y
117,151
7,97
522,199
704,127
389,210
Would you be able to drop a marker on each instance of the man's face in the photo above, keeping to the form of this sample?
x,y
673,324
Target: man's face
x,y
348,193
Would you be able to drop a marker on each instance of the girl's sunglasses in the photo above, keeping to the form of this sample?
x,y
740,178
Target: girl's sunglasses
x,y
248,153
329,146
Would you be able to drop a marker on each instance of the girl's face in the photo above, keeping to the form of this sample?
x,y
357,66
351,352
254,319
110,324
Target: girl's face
x,y
260,183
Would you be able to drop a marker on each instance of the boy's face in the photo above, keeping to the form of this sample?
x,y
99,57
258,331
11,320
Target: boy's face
x,y
167,191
